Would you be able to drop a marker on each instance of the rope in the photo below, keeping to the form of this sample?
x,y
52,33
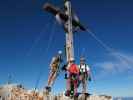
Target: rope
x,y
113,52
50,38
105,46
78,46
46,51
36,41
109,49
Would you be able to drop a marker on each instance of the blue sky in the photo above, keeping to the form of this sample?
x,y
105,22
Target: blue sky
x,y
26,30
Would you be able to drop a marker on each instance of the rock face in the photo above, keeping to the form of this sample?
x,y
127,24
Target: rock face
x,y
81,97
17,92
100,97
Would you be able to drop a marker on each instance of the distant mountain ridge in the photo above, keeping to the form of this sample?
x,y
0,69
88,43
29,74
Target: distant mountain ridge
x,y
124,98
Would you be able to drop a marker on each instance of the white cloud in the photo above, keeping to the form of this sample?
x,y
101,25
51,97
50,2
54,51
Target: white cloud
x,y
118,63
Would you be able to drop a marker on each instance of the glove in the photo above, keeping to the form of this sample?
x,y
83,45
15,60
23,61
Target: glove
x,y
64,68
89,78
66,76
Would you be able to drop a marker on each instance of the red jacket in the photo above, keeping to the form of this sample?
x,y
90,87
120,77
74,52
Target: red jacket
x,y
73,69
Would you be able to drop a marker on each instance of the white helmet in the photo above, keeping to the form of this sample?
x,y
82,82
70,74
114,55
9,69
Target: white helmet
x,y
72,59
59,52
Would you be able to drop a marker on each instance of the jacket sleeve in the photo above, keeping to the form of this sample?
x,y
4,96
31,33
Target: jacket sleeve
x,y
88,68
78,70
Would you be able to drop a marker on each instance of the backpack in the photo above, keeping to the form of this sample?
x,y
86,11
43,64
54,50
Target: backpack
x,y
85,75
82,69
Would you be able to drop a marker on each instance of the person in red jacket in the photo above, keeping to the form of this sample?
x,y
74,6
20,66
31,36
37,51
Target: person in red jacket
x,y
73,71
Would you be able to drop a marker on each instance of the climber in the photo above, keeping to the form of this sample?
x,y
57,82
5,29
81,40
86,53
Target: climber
x,y
84,74
73,72
54,69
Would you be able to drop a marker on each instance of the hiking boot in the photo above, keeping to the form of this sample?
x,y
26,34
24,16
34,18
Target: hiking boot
x,y
67,93
48,88
76,95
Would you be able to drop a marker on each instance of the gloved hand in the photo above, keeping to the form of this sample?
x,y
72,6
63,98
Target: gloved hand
x,y
89,78
66,76
64,68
